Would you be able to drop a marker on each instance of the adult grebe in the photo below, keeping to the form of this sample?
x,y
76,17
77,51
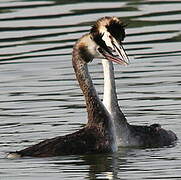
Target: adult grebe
x,y
98,135
126,134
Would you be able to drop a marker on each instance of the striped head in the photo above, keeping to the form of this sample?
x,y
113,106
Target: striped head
x,y
108,33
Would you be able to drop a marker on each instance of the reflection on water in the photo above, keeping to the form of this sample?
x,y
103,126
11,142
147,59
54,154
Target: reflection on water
x,y
40,97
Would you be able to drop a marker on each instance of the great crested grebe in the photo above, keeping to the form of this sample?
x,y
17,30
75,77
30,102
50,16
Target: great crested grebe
x,y
106,124
127,134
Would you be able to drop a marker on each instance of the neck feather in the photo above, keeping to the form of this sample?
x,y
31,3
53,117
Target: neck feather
x,y
97,113
110,96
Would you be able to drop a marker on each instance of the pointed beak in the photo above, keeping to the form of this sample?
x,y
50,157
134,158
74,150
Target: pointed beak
x,y
113,50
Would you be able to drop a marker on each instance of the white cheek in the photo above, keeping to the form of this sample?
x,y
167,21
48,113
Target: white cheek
x,y
107,40
106,37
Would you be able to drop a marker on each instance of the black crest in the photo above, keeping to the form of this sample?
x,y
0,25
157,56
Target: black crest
x,y
116,29
114,26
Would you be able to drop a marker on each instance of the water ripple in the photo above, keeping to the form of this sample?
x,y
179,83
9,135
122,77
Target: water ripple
x,y
40,97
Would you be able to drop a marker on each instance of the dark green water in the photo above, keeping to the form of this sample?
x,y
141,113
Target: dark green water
x,y
40,98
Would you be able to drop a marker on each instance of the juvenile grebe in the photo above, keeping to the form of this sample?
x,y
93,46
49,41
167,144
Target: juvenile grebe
x,y
99,135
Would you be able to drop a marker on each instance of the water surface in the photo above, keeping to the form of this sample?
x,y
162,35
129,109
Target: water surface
x,y
40,97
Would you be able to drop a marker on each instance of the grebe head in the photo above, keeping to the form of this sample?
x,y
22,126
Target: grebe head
x,y
108,33
104,41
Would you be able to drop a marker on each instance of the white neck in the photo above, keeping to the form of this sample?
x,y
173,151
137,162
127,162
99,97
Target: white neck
x,y
110,97
110,101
